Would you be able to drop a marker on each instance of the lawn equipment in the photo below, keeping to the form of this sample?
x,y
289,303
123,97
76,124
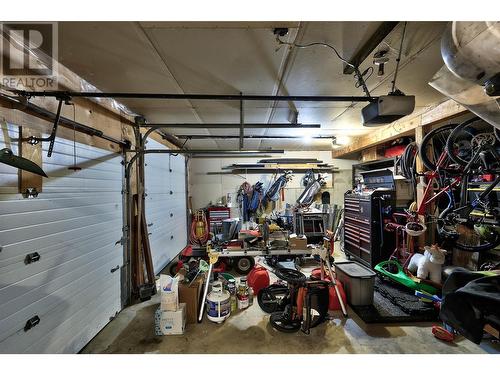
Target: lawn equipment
x,y
394,271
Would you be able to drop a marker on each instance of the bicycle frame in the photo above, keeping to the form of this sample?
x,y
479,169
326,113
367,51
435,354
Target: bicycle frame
x,y
433,175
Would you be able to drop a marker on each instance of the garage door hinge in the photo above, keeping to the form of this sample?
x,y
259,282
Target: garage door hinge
x,y
31,323
113,270
121,241
31,258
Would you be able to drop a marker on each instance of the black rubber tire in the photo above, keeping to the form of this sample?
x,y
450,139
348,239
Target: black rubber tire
x,y
243,265
422,149
268,301
480,248
451,139
282,325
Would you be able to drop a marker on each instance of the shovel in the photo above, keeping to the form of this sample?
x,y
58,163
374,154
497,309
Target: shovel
x,y
8,157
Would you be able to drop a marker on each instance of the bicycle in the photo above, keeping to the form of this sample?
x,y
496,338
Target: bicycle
x,y
470,150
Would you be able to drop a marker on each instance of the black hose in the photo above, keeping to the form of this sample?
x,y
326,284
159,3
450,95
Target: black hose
x,y
408,164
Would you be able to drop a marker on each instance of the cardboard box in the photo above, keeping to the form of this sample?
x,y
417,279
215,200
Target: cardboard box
x,y
169,293
170,322
190,295
298,243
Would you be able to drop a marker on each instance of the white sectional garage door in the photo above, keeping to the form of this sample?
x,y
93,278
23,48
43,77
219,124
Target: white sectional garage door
x,y
165,180
73,225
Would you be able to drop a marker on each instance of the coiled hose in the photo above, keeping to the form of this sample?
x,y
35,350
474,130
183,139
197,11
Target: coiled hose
x,y
199,229
408,164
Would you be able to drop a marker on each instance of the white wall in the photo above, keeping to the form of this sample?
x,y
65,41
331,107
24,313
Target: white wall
x,y
206,189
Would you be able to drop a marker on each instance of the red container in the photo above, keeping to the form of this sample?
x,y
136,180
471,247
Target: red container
x,y
394,151
333,301
258,278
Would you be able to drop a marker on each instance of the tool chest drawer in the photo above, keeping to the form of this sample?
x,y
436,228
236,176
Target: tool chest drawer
x,y
364,238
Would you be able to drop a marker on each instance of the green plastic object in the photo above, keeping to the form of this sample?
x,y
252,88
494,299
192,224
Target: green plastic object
x,y
402,278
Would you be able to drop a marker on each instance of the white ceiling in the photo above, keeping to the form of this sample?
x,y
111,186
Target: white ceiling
x,y
229,58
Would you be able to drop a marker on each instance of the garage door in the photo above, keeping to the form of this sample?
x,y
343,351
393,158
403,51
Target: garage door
x,y
165,186
73,290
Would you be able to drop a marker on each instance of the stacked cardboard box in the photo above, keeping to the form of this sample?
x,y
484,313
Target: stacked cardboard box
x,y
190,294
170,317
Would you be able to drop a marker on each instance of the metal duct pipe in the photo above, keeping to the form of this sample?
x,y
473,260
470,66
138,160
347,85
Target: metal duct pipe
x,y
471,52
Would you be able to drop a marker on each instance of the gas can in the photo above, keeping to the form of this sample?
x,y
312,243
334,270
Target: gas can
x,y
258,278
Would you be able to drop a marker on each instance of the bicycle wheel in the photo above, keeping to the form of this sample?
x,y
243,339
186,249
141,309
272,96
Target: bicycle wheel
x,y
467,138
476,238
468,235
433,146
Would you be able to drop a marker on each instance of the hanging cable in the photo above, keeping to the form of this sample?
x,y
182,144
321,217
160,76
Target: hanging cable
x,y
360,81
399,58
74,167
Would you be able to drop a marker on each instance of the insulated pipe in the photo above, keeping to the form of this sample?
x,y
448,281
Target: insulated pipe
x,y
131,95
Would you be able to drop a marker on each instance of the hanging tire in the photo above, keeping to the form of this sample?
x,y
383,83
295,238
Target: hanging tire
x,y
436,141
244,265
470,133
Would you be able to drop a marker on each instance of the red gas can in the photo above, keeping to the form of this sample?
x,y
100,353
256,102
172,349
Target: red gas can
x,y
258,278
333,302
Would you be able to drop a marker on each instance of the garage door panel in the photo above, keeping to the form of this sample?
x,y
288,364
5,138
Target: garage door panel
x,y
91,296
31,289
54,240
55,302
55,227
57,201
165,196
46,217
73,224
50,258
84,322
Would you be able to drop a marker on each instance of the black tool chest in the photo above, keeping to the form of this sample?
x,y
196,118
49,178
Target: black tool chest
x,y
364,235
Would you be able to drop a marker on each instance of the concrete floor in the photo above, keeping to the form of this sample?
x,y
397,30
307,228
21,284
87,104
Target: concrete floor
x,y
249,331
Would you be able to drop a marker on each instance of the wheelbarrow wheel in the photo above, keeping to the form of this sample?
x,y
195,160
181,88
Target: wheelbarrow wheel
x,y
281,321
244,265
273,298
